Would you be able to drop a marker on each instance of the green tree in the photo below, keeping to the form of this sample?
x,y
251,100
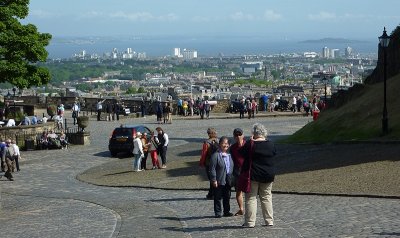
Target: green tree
x,y
21,46
141,90
131,90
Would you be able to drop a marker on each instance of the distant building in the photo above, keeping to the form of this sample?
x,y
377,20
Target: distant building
x,y
325,52
251,67
348,51
189,54
334,53
177,53
310,54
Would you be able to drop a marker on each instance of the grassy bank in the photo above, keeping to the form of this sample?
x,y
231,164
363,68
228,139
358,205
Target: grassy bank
x,y
360,119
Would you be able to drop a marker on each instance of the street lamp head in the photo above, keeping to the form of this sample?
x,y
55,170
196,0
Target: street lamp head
x,y
384,39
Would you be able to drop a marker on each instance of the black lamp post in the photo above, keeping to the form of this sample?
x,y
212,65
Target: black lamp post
x,y
384,40
14,89
325,80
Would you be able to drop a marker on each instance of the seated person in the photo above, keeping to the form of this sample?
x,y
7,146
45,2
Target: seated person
x,y
43,141
63,140
26,121
43,120
11,122
34,120
52,135
54,141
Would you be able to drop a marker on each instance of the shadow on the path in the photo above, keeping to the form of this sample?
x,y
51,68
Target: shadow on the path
x,y
303,158
202,229
174,199
190,169
106,154
123,172
388,234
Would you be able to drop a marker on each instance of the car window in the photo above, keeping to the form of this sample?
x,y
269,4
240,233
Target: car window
x,y
123,132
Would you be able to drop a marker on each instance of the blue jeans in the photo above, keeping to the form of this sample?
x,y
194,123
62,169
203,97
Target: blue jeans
x,y
136,161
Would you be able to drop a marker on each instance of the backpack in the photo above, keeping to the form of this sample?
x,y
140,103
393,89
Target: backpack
x,y
212,148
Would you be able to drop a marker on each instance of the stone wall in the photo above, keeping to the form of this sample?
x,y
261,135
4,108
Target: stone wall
x,y
22,133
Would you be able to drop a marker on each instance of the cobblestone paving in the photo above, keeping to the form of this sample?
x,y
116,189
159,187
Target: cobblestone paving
x,y
46,200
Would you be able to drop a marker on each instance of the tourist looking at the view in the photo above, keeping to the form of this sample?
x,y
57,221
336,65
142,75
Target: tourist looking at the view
x,y
75,112
258,156
99,109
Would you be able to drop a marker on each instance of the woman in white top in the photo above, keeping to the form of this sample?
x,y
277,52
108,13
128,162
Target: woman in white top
x,y
137,152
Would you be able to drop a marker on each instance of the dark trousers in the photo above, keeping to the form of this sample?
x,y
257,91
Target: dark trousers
x,y
16,162
144,160
210,190
222,192
3,164
241,114
98,115
162,151
117,114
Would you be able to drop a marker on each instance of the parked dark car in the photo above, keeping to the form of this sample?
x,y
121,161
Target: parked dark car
x,y
121,139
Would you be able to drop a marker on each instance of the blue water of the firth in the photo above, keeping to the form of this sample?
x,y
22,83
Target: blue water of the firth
x,y
205,47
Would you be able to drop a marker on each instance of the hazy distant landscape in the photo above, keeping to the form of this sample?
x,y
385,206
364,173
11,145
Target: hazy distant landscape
x,y
65,47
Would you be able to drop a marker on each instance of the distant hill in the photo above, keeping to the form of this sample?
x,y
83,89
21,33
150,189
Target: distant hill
x,y
358,119
332,41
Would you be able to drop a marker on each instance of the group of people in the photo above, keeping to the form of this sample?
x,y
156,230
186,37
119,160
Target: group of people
x,y
225,164
10,156
156,145
112,110
50,140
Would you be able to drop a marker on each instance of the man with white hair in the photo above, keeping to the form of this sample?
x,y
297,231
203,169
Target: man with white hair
x,y
9,156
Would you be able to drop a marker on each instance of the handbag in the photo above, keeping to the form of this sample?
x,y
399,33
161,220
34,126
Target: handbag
x,y
244,180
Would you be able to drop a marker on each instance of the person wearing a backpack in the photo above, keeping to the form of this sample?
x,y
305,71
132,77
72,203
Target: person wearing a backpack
x,y
8,157
210,146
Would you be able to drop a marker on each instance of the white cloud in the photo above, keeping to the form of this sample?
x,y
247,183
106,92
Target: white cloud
x,y
322,16
201,19
41,14
270,15
134,17
240,16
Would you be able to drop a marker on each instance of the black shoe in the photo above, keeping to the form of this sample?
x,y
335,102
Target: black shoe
x,y
218,216
229,214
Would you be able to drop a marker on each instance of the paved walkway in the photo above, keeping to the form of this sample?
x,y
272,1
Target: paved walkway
x,y
46,200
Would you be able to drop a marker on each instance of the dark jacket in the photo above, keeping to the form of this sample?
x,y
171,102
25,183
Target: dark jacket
x,y
218,169
262,169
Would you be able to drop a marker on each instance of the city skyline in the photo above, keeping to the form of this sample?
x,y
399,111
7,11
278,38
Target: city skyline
x,y
278,20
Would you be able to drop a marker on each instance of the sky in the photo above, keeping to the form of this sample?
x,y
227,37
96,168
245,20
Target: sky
x,y
274,19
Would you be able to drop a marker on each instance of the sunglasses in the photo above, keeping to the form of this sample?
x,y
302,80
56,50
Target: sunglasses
x,y
237,134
